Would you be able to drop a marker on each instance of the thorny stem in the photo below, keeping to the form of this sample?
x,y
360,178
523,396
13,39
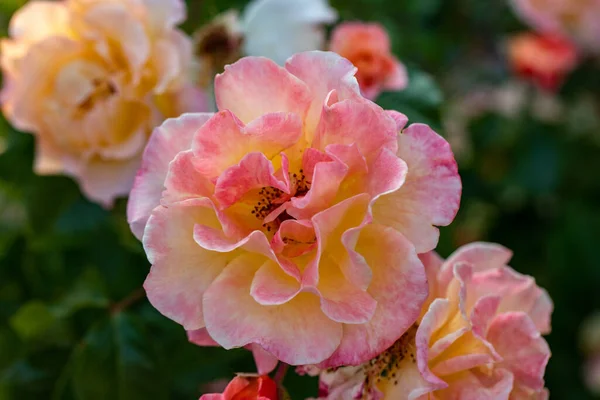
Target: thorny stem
x,y
128,301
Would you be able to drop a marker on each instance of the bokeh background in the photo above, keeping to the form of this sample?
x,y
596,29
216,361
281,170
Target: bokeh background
x,y
74,323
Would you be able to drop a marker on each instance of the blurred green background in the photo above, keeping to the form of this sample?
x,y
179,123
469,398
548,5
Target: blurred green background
x,y
74,323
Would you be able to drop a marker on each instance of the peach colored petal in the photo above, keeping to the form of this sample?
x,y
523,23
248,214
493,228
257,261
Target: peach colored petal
x,y
253,172
170,58
323,72
363,124
431,194
183,182
265,361
433,263
165,14
115,23
480,255
477,386
224,140
172,137
201,337
399,287
387,174
181,270
43,58
341,300
37,20
272,286
296,332
518,293
104,180
270,87
401,119
330,225
325,183
524,352
435,317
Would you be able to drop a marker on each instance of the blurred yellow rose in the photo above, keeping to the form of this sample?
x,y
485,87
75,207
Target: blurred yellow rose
x,y
91,78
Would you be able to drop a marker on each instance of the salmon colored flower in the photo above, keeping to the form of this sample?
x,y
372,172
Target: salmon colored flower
x,y
91,78
543,59
479,338
292,218
577,19
247,387
368,47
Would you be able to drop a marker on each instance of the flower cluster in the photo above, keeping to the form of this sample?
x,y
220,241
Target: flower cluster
x,y
478,337
299,220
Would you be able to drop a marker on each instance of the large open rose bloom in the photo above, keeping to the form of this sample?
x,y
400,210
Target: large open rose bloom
x,y
578,19
91,79
292,218
479,338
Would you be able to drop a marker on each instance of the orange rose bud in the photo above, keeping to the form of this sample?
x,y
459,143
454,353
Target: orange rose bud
x,y
544,59
367,46
246,387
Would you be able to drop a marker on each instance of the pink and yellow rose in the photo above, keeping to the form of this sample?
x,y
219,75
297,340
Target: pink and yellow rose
x,y
91,79
479,337
291,219
577,19
368,47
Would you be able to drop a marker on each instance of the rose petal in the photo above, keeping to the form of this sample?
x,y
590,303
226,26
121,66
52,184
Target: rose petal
x,y
399,286
172,137
268,87
524,352
296,332
323,72
431,194
181,270
224,140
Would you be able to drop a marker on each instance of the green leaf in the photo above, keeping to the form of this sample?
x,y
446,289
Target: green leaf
x,y
33,320
13,216
87,292
116,361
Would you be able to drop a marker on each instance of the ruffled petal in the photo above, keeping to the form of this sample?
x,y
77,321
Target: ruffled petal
x,y
524,352
255,86
399,286
296,332
183,181
181,270
431,194
362,123
37,20
323,72
224,140
172,137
